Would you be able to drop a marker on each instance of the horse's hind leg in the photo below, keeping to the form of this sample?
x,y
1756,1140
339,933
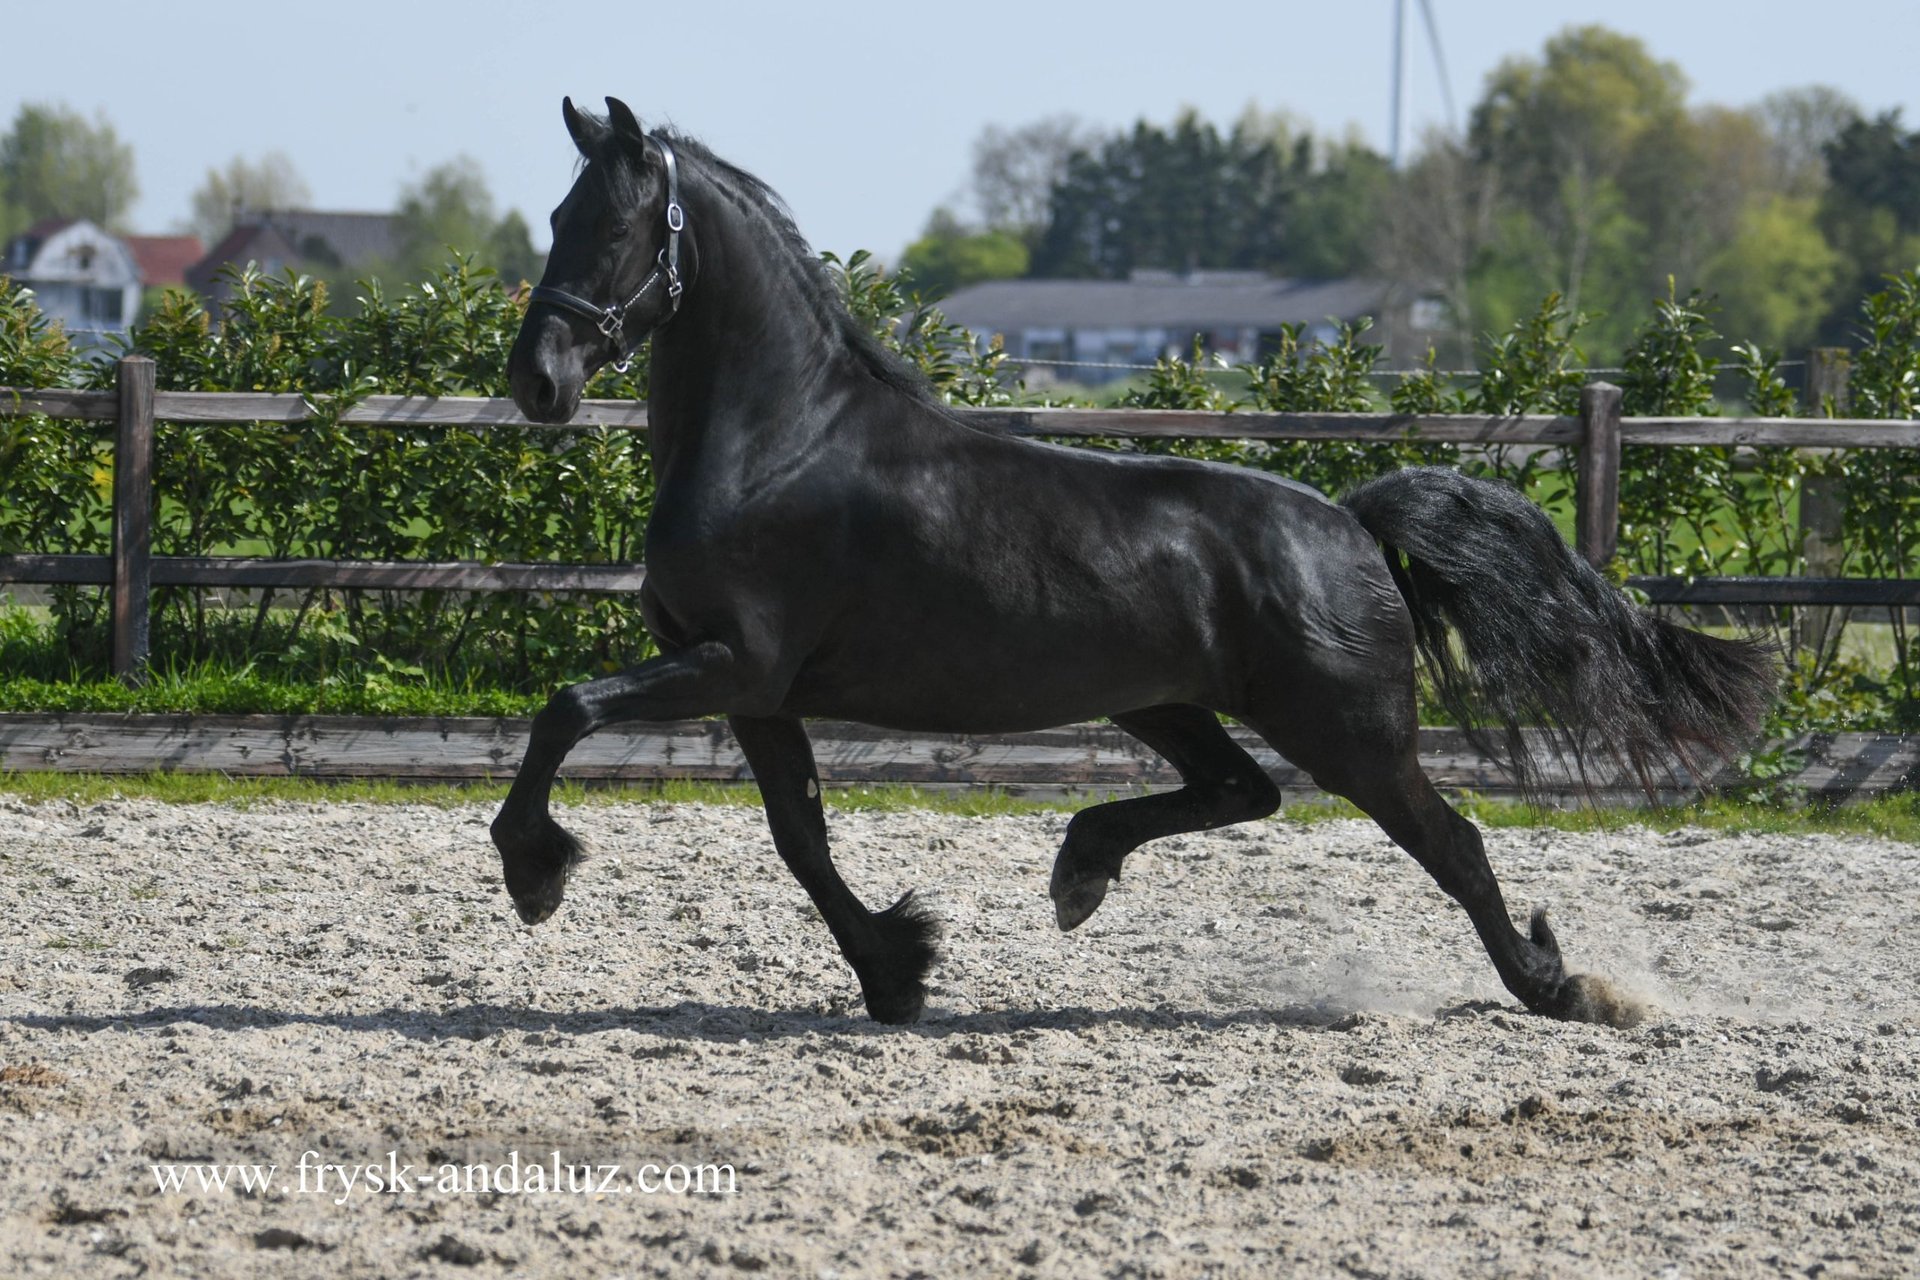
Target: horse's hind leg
x,y
1224,785
1365,750
890,951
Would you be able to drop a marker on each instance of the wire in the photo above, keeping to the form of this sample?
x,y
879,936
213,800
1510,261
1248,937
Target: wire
x,y
1440,63
1373,373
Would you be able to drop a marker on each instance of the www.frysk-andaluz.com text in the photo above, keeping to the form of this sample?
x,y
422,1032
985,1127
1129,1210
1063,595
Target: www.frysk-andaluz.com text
x,y
548,1175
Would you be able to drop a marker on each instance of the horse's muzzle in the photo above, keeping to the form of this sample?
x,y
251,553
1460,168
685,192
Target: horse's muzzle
x,y
546,376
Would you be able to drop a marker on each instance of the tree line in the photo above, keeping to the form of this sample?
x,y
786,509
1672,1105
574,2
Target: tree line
x,y
1582,171
56,163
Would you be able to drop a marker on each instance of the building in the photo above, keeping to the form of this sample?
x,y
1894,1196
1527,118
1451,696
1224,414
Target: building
x,y
91,281
1235,314
81,276
276,239
164,260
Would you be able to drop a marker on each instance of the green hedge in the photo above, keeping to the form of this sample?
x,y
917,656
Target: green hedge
x,y
448,493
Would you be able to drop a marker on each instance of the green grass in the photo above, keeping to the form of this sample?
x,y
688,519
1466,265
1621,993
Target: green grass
x,y
1895,817
250,664
1888,817
213,690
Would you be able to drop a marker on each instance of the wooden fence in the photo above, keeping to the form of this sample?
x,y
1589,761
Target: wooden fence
x,y
1072,760
1598,433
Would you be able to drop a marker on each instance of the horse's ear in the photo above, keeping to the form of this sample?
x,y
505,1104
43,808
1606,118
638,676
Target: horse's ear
x,y
625,123
578,125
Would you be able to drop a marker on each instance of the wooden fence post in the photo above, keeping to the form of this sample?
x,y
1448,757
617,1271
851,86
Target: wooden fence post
x,y
1597,479
1823,498
132,519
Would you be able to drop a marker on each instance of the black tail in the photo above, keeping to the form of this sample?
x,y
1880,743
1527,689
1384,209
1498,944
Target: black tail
x,y
1548,642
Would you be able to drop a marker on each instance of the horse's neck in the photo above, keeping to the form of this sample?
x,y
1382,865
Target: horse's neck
x,y
745,348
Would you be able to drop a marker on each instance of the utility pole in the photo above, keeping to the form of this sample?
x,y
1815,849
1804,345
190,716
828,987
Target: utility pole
x,y
1397,135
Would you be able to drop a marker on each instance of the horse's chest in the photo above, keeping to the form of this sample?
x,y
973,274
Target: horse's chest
x,y
706,566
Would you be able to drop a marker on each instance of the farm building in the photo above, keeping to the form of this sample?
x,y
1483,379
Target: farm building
x,y
1236,314
276,239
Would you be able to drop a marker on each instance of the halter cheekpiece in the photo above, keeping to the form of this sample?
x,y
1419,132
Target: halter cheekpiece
x,y
612,320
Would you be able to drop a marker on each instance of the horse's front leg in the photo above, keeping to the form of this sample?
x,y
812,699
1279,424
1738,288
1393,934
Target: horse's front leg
x,y
890,950
536,853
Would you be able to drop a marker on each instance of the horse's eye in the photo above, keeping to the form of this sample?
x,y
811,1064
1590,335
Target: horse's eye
x,y
620,230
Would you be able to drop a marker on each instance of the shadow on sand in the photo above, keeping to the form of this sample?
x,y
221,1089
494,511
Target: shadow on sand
x,y
687,1020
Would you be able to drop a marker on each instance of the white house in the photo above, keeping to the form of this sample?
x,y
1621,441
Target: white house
x,y
81,276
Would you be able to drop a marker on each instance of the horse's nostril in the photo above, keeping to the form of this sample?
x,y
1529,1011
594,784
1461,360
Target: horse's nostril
x,y
545,393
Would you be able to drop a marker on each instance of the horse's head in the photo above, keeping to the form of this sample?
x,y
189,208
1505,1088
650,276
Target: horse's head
x,y
614,273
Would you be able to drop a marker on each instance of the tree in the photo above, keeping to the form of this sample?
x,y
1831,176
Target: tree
x,y
1876,164
1802,124
1776,274
951,255
1335,208
1606,187
1437,224
1015,171
1870,211
450,210
1580,137
270,183
510,251
53,164
1189,197
1713,165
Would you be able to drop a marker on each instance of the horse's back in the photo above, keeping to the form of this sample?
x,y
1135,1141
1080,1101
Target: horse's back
x,y
1040,583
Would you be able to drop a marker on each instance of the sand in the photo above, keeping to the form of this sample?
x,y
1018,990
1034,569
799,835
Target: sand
x,y
1275,1050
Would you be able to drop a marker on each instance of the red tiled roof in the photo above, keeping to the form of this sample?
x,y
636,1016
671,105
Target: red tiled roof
x,y
163,260
47,227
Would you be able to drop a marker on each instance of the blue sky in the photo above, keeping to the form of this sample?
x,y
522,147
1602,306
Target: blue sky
x,y
861,114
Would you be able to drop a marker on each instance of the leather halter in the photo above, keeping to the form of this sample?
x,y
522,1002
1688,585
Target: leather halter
x,y
612,320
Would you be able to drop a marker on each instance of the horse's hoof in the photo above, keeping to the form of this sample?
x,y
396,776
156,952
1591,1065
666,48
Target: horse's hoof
x,y
536,865
892,975
537,894
1073,903
1586,997
897,1008
1575,997
535,906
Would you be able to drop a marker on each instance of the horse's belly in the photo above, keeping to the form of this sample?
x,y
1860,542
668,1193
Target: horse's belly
x,y
989,687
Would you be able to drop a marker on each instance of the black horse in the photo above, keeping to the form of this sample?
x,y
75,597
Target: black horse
x,y
827,539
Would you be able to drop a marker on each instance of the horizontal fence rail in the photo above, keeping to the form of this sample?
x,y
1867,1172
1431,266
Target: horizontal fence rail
x,y
1893,593
379,575
618,579
1071,760
1598,433
214,408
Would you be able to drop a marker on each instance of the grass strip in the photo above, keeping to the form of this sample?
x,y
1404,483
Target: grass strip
x,y
216,692
1894,817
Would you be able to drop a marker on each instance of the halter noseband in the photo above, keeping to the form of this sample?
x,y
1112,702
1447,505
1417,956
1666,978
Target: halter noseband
x,y
612,321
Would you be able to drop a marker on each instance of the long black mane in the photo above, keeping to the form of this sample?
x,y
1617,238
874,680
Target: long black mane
x,y
613,168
